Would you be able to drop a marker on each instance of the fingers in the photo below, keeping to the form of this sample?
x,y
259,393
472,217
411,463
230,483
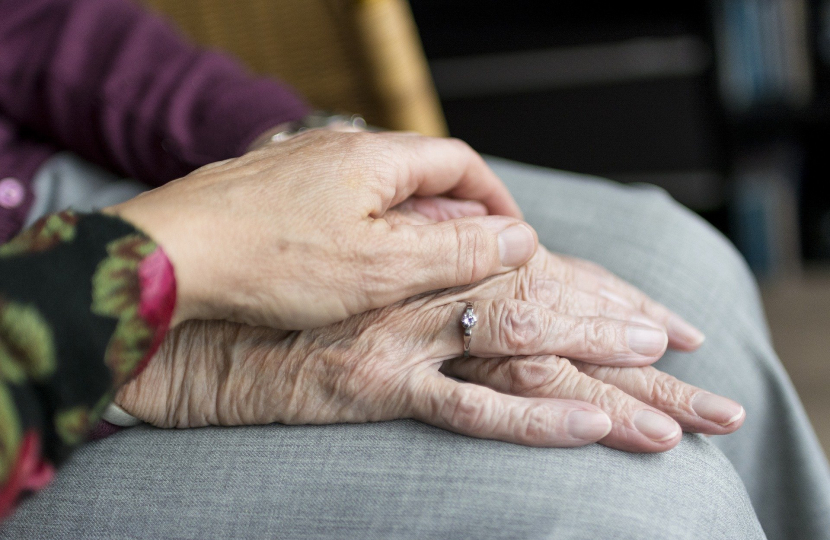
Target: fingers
x,y
637,427
477,411
562,298
421,258
432,209
593,278
445,166
695,409
510,327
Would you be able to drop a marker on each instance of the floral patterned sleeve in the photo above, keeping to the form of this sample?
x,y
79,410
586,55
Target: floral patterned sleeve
x,y
85,301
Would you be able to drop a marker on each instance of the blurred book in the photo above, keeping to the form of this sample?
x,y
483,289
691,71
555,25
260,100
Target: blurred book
x,y
763,53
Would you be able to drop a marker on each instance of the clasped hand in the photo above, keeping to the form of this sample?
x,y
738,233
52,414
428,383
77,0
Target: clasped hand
x,y
561,357
547,370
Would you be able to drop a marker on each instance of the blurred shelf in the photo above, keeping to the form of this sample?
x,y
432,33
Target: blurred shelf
x,y
780,117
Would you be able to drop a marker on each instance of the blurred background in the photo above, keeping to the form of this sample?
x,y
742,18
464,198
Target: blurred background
x,y
725,104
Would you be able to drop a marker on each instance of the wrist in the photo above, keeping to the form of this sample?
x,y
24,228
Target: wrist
x,y
268,136
315,120
159,231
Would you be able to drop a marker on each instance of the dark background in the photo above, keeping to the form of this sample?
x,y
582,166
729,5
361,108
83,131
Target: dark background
x,y
542,83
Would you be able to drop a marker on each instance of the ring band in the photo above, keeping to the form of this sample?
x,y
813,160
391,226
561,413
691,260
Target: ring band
x,y
468,320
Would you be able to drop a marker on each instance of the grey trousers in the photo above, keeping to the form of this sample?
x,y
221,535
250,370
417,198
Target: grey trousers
x,y
404,479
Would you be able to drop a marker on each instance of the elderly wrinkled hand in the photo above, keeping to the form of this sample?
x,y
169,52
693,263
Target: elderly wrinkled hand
x,y
293,236
391,363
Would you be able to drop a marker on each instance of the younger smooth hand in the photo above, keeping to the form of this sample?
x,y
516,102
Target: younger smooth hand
x,y
293,235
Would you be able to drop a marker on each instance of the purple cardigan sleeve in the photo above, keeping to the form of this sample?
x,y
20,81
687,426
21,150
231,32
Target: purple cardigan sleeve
x,y
120,87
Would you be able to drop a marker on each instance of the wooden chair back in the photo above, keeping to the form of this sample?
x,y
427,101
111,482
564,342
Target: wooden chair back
x,y
357,56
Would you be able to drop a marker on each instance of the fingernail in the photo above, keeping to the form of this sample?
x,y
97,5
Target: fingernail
x,y
685,331
655,426
517,244
646,340
588,425
717,409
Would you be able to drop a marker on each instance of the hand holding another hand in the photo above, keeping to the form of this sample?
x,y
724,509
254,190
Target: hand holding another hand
x,y
553,365
293,235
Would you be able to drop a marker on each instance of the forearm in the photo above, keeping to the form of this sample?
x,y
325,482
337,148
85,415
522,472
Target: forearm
x,y
84,303
120,87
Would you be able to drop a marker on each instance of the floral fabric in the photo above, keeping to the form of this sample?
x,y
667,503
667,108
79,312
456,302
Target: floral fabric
x,y
85,301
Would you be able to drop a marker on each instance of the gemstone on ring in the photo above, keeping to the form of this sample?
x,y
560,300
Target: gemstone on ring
x,y
468,319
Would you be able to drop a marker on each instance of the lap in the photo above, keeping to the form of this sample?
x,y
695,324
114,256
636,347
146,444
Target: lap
x,y
396,479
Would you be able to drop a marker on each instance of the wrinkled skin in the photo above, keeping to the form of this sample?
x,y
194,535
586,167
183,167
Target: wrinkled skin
x,y
394,362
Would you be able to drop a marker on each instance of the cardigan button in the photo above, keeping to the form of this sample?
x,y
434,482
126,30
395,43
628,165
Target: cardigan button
x,y
11,193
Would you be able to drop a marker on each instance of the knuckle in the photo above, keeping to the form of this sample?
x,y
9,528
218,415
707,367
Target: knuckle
x,y
517,327
460,145
536,425
527,377
541,289
539,376
607,308
566,378
607,397
462,411
473,260
599,337
662,389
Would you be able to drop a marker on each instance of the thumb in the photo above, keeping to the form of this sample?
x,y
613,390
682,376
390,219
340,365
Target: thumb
x,y
459,251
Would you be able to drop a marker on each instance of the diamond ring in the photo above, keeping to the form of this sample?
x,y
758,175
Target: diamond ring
x,y
468,320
